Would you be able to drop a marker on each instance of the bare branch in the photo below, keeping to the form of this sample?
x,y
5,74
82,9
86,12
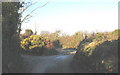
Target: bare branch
x,y
33,11
28,15
25,18
27,8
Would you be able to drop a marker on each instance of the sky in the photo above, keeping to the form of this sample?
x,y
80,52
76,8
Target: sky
x,y
71,16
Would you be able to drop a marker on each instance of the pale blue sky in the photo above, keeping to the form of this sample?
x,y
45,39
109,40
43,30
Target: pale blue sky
x,y
71,16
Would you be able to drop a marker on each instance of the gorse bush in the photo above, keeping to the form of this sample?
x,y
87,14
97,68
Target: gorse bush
x,y
115,34
66,41
97,56
98,36
36,41
98,53
37,45
91,47
106,55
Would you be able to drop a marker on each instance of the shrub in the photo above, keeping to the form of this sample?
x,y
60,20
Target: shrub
x,y
37,45
91,47
97,56
98,36
71,41
83,43
28,32
115,34
106,55
98,53
57,44
35,41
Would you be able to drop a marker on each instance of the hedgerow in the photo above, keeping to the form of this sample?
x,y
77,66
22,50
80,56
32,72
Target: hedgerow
x,y
36,41
98,54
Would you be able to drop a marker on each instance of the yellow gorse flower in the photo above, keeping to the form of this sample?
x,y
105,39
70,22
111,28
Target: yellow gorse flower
x,y
34,41
91,46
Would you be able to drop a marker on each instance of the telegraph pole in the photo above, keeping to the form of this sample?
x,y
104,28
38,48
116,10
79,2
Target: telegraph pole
x,y
35,29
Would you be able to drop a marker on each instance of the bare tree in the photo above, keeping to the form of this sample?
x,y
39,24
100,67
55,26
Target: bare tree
x,y
24,7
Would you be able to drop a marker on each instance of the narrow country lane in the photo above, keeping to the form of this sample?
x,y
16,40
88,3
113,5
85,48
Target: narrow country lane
x,y
48,64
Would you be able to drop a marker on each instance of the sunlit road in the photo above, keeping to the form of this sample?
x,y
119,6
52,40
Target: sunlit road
x,y
48,64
